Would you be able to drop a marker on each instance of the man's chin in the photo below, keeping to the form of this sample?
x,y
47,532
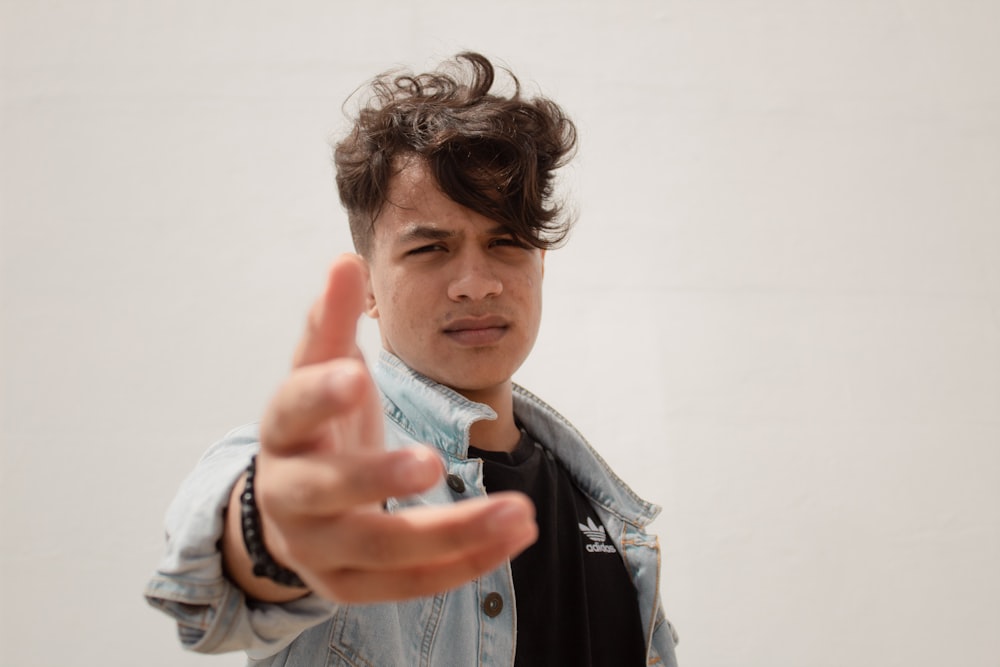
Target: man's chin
x,y
470,377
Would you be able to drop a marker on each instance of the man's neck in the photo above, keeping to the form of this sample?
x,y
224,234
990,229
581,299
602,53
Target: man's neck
x,y
500,434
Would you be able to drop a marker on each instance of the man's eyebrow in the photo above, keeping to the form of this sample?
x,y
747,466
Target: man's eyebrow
x,y
424,233
418,232
501,230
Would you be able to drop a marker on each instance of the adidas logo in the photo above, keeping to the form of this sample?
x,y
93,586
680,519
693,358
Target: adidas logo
x,y
597,536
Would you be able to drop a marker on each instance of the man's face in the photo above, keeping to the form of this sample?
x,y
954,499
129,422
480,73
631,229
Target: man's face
x,y
456,296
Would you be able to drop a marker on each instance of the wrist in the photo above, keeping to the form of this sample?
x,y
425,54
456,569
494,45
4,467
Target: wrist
x,y
263,564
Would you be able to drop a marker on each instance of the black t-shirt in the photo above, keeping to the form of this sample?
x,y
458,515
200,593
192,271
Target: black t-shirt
x,y
576,604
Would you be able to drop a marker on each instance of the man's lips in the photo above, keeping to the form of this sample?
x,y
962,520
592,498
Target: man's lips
x,y
473,323
477,330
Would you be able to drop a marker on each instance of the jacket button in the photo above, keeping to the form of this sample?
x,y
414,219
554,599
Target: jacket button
x,y
493,605
456,483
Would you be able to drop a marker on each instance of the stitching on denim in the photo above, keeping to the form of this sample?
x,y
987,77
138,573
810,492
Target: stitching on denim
x,y
647,508
433,624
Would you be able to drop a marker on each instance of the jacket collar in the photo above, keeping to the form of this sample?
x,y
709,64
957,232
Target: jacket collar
x,y
430,412
437,415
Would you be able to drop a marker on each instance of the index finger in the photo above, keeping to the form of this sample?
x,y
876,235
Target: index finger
x,y
331,330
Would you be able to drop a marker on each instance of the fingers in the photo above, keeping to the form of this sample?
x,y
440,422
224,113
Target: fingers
x,y
307,488
419,551
418,536
325,522
338,395
329,399
332,325
363,586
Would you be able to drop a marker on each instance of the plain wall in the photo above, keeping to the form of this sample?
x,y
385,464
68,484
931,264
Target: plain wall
x,y
778,317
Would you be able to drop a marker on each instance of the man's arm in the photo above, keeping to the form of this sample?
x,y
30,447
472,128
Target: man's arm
x,y
323,475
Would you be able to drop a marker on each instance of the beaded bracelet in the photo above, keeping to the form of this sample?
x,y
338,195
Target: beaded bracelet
x,y
253,537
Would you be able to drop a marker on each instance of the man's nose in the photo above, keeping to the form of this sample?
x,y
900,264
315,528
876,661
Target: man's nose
x,y
474,279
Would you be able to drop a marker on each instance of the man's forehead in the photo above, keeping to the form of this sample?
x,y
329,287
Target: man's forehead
x,y
411,177
417,207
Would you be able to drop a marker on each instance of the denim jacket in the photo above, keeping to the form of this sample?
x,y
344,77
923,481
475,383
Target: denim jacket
x,y
449,628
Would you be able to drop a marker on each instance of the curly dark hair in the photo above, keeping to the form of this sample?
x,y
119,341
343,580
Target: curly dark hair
x,y
494,154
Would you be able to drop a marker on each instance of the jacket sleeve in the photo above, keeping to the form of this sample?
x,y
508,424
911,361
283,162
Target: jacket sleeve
x,y
213,615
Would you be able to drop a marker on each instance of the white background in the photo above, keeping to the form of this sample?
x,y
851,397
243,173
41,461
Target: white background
x,y
779,315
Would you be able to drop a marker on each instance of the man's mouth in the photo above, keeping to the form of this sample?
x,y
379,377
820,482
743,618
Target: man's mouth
x,y
477,331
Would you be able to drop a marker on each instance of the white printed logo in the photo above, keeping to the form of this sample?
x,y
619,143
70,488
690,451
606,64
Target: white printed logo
x,y
597,537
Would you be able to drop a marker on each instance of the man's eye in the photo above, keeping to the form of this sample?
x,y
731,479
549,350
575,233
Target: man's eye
x,y
508,242
425,249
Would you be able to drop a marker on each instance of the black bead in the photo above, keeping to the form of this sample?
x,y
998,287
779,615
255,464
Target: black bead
x,y
263,564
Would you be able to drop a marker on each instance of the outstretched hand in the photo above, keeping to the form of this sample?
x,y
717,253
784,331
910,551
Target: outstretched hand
x,y
323,476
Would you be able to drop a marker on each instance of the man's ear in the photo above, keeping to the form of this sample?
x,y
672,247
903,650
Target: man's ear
x,y
371,308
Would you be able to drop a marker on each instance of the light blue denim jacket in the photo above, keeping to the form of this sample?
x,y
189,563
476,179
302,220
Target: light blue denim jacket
x,y
449,628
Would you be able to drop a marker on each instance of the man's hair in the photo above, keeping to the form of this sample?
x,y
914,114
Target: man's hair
x,y
495,154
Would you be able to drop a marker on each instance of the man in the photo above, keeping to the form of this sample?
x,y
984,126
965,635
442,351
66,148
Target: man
x,y
430,511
